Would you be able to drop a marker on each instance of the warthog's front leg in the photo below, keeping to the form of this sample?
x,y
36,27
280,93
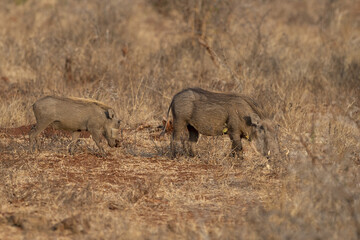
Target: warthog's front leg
x,y
96,135
72,145
236,146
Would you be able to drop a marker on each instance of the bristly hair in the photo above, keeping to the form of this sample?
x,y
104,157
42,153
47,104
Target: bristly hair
x,y
84,100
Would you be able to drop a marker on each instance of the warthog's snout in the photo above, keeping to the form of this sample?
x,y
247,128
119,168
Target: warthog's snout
x,y
114,133
114,136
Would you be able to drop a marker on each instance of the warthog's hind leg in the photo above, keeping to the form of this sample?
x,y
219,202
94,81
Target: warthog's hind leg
x,y
193,138
34,134
172,147
179,133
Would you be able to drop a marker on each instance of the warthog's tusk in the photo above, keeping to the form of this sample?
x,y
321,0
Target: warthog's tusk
x,y
225,130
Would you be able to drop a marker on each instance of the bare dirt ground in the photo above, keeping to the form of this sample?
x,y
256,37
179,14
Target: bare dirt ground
x,y
58,195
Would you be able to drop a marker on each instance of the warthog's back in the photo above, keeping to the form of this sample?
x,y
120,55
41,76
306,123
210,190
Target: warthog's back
x,y
227,100
77,100
49,100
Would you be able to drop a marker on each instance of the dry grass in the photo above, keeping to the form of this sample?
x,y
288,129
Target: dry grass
x,y
299,59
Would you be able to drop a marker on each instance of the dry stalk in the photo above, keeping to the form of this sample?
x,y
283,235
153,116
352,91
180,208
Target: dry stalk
x,y
217,60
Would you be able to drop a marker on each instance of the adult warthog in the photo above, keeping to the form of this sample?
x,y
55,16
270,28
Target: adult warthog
x,y
197,111
76,115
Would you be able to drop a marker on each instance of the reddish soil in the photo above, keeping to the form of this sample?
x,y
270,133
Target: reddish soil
x,y
154,191
48,132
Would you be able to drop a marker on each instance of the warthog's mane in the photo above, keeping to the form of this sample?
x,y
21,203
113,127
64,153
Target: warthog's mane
x,y
84,101
254,106
87,100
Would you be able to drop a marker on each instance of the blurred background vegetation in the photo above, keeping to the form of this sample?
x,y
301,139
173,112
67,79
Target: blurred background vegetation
x,y
300,59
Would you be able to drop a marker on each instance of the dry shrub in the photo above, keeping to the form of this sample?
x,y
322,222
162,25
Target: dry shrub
x,y
319,197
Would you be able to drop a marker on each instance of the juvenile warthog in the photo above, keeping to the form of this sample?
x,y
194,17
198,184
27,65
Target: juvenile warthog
x,y
76,115
197,111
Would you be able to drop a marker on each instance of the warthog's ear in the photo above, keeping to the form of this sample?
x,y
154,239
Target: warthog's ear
x,y
248,120
254,121
251,121
110,113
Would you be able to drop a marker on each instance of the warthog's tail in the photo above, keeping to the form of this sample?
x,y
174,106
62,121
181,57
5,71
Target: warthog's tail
x,y
35,109
167,119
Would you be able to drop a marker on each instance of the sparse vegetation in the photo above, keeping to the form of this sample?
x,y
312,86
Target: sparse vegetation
x,y
299,59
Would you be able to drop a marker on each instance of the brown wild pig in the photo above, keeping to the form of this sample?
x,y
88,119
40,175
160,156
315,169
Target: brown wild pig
x,y
76,115
197,111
